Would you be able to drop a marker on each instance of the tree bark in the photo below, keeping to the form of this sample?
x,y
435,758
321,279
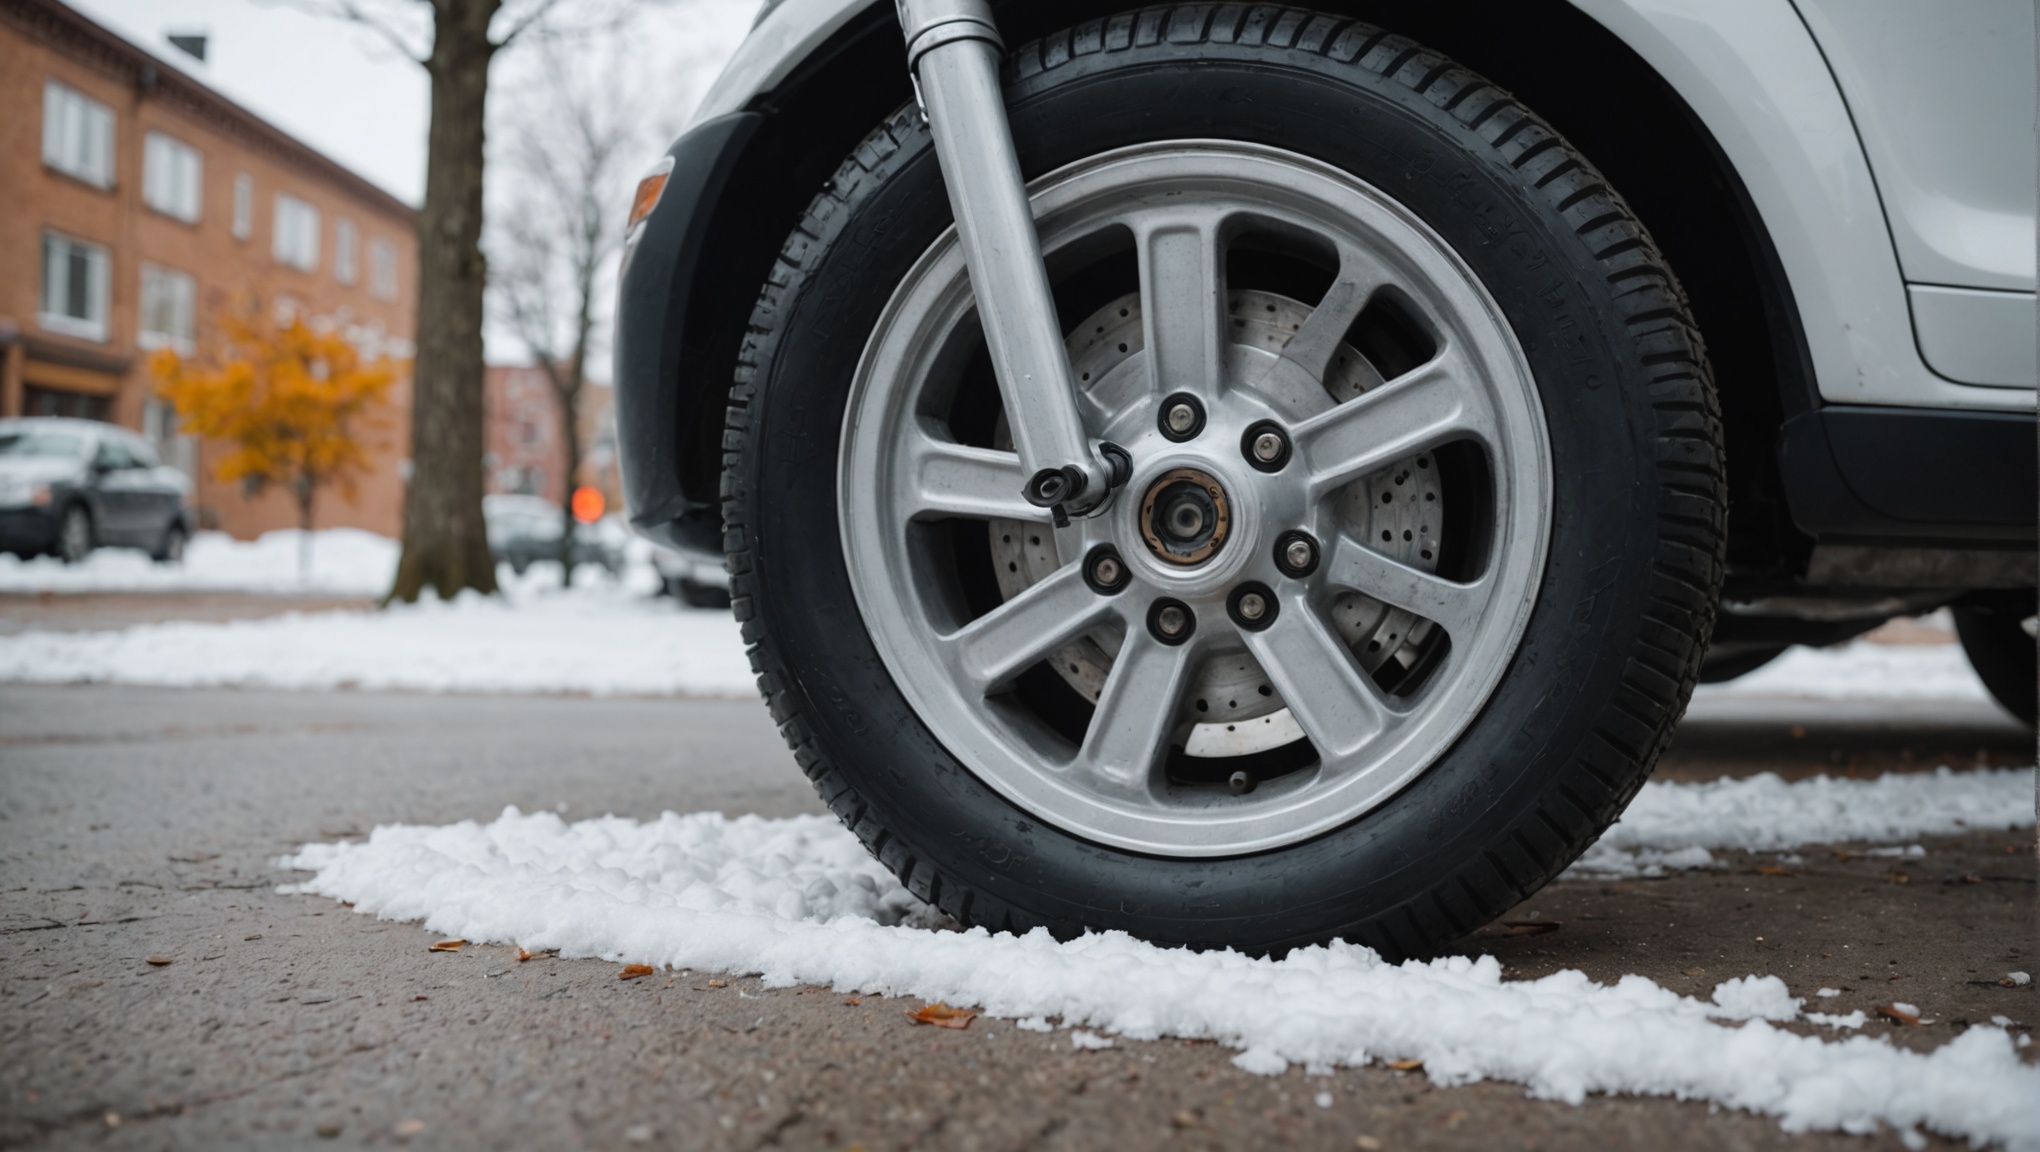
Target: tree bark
x,y
306,491
446,544
570,420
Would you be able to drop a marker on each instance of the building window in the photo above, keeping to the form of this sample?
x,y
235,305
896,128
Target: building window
x,y
382,269
346,252
77,134
172,175
74,281
168,300
297,232
244,206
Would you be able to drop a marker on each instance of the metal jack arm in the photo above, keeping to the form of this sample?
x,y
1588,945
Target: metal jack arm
x,y
953,49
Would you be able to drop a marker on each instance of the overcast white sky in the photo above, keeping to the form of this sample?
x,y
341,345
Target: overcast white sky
x,y
345,91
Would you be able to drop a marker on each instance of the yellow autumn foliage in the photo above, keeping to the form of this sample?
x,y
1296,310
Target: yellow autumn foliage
x,y
291,403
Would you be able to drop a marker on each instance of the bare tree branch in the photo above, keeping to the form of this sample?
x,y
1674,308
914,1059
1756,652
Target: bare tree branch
x,y
354,13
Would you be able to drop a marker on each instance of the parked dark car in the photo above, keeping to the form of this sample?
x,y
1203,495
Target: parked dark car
x,y
524,529
69,486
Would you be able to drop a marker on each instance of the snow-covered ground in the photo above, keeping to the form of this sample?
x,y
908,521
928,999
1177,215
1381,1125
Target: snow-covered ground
x,y
1860,671
345,562
800,902
600,638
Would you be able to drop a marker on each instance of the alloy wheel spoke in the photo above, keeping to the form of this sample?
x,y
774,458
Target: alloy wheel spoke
x,y
1414,412
1333,700
952,479
1308,355
991,650
1182,289
1453,606
1135,711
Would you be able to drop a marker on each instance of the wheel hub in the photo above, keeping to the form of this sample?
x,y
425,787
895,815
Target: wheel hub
x,y
1185,516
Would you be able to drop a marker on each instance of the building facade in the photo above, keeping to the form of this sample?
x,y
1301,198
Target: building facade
x,y
526,455
139,203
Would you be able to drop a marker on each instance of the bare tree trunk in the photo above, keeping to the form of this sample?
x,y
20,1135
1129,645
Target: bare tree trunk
x,y
446,546
570,421
306,492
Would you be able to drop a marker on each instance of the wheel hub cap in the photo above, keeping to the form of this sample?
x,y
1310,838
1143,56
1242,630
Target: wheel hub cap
x,y
1185,516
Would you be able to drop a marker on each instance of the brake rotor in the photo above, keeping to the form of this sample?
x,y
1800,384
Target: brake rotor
x,y
1398,511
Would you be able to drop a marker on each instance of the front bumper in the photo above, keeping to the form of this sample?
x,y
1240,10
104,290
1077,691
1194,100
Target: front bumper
x,y
661,270
27,529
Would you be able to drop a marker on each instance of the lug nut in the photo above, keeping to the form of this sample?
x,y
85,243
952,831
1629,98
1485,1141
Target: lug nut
x,y
1181,417
1296,554
1171,621
1266,446
1253,606
1105,571
1242,783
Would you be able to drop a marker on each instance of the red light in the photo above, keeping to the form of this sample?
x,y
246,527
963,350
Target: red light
x,y
588,505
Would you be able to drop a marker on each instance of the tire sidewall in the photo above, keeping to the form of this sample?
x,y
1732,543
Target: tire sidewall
x,y
1593,383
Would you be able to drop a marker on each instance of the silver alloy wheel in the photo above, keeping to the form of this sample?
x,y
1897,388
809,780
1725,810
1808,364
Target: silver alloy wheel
x,y
1182,203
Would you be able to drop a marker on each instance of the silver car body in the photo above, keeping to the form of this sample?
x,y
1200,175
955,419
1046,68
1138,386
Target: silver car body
x,y
1887,145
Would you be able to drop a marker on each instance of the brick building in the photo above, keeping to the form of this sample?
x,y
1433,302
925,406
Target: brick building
x,y
139,203
525,454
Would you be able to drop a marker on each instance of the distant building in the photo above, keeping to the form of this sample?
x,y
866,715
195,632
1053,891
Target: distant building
x,y
138,203
525,453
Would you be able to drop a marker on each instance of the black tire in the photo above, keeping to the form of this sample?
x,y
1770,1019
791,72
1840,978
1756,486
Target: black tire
x,y
2004,654
76,536
170,549
1634,566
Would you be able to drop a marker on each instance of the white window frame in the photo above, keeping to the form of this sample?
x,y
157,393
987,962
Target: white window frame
x,y
78,134
173,177
180,333
244,206
297,233
382,269
56,286
346,251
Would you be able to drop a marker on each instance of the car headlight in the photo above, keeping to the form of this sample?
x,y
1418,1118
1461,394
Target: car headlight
x,y
39,495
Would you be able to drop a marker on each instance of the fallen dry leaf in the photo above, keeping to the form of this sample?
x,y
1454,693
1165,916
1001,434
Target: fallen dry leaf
x,y
1891,1013
942,1016
1845,857
410,1127
1900,878
854,1001
159,961
415,999
1774,870
1406,1065
1530,927
522,955
1696,971
1972,878
1367,1144
717,984
633,971
447,946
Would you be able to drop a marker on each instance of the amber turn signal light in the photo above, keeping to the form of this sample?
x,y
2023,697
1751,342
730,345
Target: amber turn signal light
x,y
649,190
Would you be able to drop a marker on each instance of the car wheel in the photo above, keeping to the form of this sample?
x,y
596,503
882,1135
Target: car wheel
x,y
74,535
1997,636
170,550
1423,537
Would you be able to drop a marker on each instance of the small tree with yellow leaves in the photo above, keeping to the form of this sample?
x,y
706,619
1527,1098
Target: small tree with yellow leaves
x,y
292,402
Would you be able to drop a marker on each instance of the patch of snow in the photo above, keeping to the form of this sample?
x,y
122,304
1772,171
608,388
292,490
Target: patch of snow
x,y
2019,979
1087,1041
1908,1009
1852,1020
1671,826
1322,1099
799,901
1755,998
602,639
1828,993
1908,852
345,562
1034,1024
1861,671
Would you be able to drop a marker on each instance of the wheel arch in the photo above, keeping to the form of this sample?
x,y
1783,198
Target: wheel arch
x,y
1560,61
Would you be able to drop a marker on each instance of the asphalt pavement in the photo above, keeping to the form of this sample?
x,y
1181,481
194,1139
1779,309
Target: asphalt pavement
x,y
139,823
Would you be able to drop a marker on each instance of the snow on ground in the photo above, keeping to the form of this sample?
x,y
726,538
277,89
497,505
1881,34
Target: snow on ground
x,y
601,638
800,902
345,562
1669,827
1860,671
